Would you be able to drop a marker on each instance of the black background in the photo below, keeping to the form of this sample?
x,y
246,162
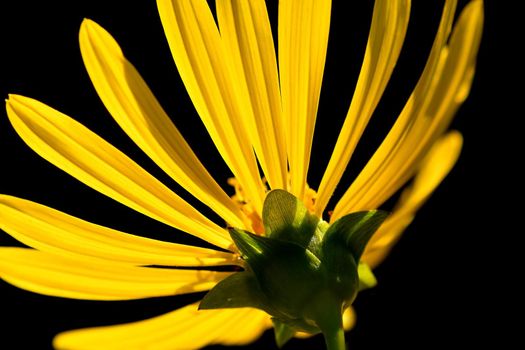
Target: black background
x,y
429,288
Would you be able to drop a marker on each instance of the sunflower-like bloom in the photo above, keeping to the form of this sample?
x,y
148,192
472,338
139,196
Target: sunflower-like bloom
x,y
259,108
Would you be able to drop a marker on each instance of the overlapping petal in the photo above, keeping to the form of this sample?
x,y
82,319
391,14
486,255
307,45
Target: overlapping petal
x,y
50,230
186,328
89,278
302,40
436,165
443,86
73,148
136,110
246,33
202,61
387,34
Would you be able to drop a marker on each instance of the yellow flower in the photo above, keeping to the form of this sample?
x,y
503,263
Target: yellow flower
x,y
258,109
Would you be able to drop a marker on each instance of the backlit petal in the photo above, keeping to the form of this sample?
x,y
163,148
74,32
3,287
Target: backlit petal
x,y
245,30
441,89
434,168
202,61
186,328
303,39
134,107
82,154
96,279
387,33
50,230
247,330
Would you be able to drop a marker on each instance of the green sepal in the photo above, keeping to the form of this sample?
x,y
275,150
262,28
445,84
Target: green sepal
x,y
299,325
282,332
285,217
343,244
274,261
367,279
303,272
354,231
238,290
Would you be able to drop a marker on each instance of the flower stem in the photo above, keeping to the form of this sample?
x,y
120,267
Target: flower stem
x,y
335,340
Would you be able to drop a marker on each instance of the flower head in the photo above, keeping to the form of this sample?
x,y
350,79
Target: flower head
x,y
260,109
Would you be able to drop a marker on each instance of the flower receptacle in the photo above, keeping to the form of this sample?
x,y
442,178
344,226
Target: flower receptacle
x,y
303,272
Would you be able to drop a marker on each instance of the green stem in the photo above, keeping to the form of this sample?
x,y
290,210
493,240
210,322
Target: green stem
x,y
335,340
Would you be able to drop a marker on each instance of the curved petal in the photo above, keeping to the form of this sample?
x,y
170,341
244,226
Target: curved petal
x,y
246,330
133,106
201,59
387,34
246,33
442,88
96,279
186,328
73,148
49,230
303,39
437,164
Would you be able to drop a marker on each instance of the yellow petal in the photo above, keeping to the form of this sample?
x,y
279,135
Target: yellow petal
x,y
96,279
381,159
246,330
303,39
246,33
132,104
82,154
436,165
186,328
349,318
49,230
202,61
387,33
447,94
430,109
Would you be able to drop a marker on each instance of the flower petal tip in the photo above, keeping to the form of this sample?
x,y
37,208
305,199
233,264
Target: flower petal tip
x,y
13,100
87,23
476,6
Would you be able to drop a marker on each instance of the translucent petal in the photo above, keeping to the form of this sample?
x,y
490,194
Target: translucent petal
x,y
96,279
82,154
245,30
302,39
202,61
186,328
133,106
387,33
49,230
430,109
433,170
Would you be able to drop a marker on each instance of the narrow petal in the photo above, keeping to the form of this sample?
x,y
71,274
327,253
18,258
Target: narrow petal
x,y
303,39
96,279
436,165
134,107
201,59
73,148
247,330
442,88
387,34
52,231
245,30
186,328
